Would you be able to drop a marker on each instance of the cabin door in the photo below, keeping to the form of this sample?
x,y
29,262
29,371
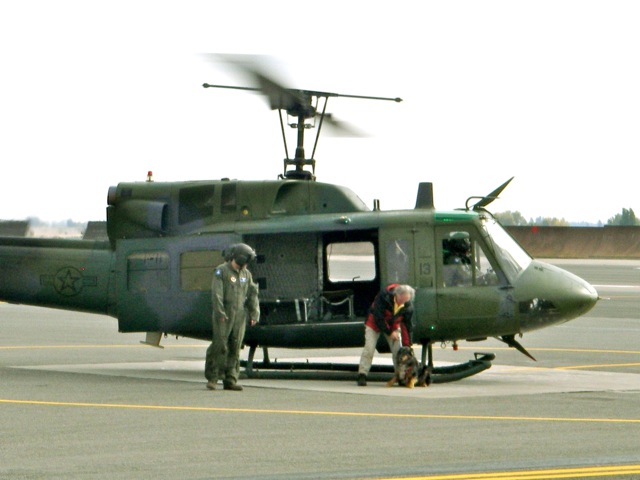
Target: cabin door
x,y
470,299
407,256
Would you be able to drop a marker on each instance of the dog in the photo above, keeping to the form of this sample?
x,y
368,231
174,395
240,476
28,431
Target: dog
x,y
406,370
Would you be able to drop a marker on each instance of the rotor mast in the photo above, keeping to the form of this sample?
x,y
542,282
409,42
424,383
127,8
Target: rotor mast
x,y
298,104
302,113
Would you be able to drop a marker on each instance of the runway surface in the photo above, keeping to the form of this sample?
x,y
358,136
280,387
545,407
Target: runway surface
x,y
79,400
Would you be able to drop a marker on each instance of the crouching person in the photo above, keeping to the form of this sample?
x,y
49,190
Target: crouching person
x,y
390,314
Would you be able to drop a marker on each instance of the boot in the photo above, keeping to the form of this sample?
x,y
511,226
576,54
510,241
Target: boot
x,y
233,386
362,380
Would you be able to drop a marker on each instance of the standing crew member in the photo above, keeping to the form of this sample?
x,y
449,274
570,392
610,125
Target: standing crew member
x,y
390,314
233,296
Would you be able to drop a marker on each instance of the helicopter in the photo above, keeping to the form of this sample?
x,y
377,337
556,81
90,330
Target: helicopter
x,y
322,256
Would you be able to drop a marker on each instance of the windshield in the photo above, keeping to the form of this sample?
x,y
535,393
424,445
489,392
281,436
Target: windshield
x,y
511,257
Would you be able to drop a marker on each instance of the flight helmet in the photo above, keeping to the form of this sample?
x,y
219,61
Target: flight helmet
x,y
241,253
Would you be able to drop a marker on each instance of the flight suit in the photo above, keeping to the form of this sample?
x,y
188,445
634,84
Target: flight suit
x,y
234,294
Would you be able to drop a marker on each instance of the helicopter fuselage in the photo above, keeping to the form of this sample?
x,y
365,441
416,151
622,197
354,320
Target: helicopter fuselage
x,y
322,257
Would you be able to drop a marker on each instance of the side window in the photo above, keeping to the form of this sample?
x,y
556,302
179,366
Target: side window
x,y
351,261
457,259
228,198
398,261
464,263
485,274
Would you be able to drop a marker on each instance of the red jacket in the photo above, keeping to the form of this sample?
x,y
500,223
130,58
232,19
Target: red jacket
x,y
382,319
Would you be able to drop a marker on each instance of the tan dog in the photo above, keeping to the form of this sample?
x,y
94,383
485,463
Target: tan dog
x,y
407,366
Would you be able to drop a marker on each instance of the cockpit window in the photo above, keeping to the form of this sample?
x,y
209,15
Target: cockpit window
x,y
511,257
465,263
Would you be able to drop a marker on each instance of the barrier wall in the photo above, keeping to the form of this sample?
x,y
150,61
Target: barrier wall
x,y
579,242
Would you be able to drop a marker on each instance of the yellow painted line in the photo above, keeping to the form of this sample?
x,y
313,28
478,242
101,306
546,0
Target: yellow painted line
x,y
583,472
61,347
319,412
570,367
572,350
578,367
587,350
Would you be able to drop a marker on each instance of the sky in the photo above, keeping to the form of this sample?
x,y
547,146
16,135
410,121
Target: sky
x,y
93,93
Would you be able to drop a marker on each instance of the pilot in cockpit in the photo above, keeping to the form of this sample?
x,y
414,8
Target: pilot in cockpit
x,y
456,253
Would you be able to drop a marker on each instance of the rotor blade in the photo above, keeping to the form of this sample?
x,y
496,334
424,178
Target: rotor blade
x,y
512,342
487,199
257,68
279,96
208,85
364,97
340,128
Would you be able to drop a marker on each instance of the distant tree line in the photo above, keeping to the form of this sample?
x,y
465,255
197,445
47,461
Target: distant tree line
x,y
509,218
627,217
36,222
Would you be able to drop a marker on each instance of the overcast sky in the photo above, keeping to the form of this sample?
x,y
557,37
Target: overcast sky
x,y
97,93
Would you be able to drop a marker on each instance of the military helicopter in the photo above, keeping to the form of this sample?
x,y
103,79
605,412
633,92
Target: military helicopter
x,y
323,255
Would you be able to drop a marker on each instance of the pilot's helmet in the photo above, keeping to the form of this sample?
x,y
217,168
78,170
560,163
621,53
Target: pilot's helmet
x,y
227,253
461,245
241,253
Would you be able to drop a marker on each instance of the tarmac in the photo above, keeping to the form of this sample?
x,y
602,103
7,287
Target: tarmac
x,y
78,400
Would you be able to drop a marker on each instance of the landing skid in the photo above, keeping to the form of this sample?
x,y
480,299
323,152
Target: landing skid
x,y
346,371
